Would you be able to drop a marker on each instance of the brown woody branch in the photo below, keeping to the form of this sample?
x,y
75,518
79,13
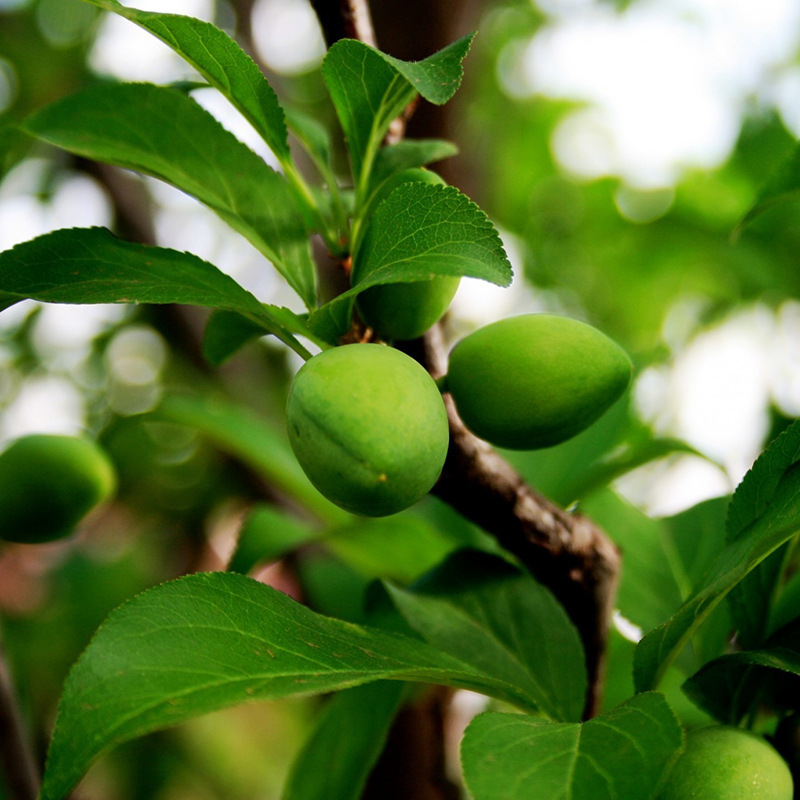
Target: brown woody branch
x,y
18,768
566,552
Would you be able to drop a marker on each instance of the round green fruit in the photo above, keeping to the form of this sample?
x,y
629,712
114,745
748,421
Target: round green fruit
x,y
48,483
725,763
535,380
368,426
402,311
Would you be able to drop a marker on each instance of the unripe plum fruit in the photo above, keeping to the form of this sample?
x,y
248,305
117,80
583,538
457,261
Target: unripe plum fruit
x,y
535,380
368,426
726,763
402,311
48,483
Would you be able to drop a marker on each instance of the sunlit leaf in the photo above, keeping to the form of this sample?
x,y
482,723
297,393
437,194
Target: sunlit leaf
x,y
409,153
222,62
91,265
166,134
212,640
418,232
765,514
369,89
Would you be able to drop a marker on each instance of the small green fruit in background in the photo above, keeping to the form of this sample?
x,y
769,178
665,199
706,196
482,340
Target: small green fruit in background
x,y
48,483
402,311
368,426
725,763
535,380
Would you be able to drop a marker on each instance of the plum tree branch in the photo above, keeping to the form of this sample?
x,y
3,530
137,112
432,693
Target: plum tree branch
x,y
566,552
18,767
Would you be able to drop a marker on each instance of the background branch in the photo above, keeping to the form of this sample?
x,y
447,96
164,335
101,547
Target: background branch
x,y
567,553
17,762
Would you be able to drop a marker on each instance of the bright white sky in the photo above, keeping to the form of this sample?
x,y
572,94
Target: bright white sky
x,y
664,85
665,82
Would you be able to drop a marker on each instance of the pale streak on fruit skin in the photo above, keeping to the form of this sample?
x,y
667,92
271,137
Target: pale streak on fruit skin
x,y
535,380
726,763
48,483
368,426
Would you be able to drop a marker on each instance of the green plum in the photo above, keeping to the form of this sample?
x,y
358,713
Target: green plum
x,y
535,380
48,483
368,426
402,311
726,763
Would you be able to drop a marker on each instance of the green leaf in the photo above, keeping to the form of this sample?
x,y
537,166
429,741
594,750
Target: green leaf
x,y
227,331
752,599
485,612
732,686
642,448
422,230
665,560
409,153
754,494
222,62
787,602
313,135
621,754
437,77
336,761
163,133
90,265
783,185
400,547
418,232
209,641
649,590
369,89
255,441
764,515
267,534
367,93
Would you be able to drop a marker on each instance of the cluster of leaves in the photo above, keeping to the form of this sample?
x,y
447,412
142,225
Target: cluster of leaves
x,y
155,130
472,620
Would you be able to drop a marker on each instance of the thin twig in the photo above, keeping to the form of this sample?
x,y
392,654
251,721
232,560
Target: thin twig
x,y
17,760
